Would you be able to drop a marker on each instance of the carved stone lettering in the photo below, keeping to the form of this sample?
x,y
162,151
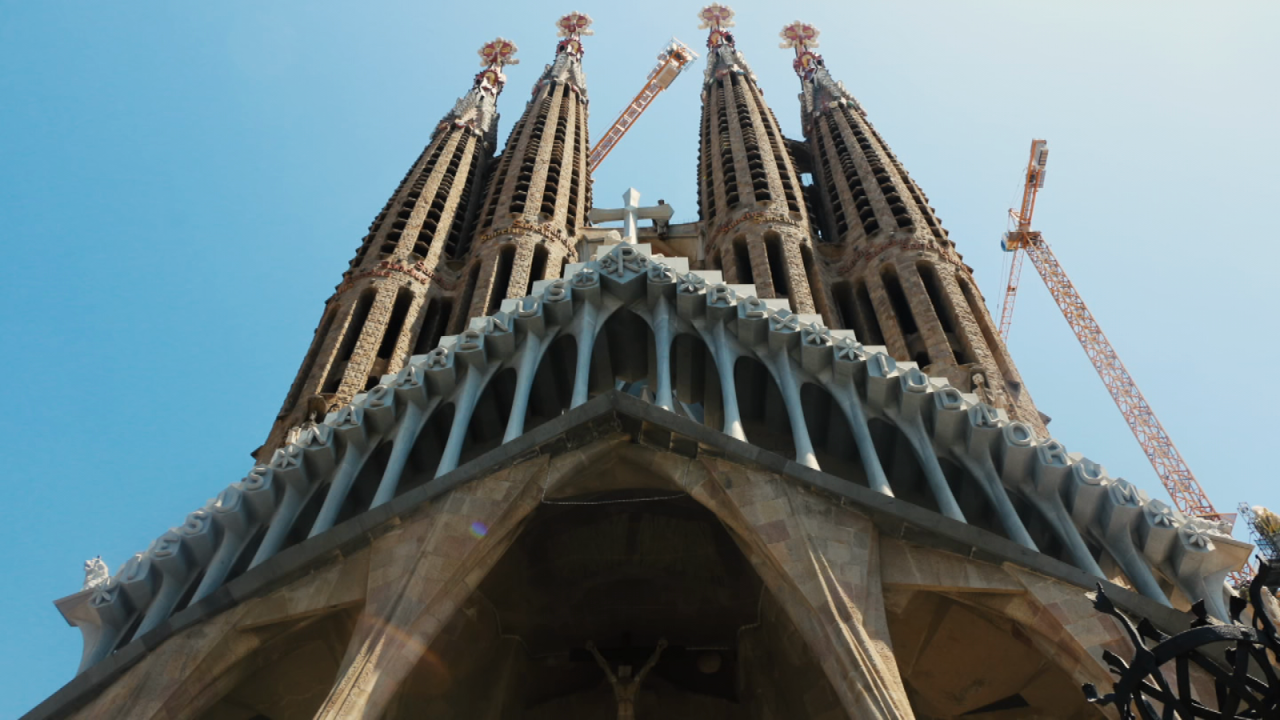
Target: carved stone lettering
x,y
557,291
983,415
529,306
1015,433
691,284
438,358
1053,453
915,381
721,296
949,398
783,321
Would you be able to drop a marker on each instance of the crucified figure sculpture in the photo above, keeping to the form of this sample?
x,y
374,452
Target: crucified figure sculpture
x,y
626,689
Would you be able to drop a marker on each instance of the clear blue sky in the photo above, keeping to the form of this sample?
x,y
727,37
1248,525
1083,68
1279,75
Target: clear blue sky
x,y
181,185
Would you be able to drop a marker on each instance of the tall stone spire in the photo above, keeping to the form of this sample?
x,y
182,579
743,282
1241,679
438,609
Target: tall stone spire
x,y
540,190
900,282
757,225
394,298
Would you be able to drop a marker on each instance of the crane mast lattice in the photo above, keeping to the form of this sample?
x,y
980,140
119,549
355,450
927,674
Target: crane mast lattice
x,y
673,60
1172,470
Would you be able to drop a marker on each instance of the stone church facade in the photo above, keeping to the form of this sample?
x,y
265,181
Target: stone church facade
x,y
773,464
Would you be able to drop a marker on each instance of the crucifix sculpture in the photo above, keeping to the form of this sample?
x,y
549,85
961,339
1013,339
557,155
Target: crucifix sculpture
x,y
630,213
626,689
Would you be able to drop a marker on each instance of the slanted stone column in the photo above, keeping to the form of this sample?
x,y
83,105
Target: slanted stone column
x,y
419,575
822,564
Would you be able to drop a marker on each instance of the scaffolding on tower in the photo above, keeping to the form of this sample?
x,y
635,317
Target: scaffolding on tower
x,y
672,61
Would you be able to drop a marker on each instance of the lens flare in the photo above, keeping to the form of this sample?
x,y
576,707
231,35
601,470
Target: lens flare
x,y
479,529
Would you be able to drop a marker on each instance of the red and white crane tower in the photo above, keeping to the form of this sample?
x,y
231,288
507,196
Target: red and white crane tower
x,y
1022,241
672,61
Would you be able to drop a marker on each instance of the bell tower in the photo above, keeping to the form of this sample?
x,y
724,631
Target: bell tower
x,y
757,228
394,298
900,281
539,193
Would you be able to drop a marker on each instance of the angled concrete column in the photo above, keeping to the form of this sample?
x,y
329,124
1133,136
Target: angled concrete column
x,y
419,574
822,564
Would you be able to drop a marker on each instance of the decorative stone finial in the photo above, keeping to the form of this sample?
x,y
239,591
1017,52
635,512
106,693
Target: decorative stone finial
x,y
572,27
575,24
717,17
802,37
498,52
95,573
493,56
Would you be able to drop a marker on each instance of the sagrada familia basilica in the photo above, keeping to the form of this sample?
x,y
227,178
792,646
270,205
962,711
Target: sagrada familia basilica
x,y
775,463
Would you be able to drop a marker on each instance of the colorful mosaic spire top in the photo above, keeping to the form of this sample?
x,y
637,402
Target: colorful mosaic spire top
x,y
718,18
572,27
493,56
803,37
498,52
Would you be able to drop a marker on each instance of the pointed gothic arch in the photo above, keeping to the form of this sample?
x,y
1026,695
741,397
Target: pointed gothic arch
x,y
832,438
551,392
624,355
490,416
428,448
695,382
901,465
764,414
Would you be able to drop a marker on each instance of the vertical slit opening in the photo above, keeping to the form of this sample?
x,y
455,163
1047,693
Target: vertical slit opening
x,y
468,294
742,261
945,311
875,336
501,279
350,335
399,311
777,265
538,269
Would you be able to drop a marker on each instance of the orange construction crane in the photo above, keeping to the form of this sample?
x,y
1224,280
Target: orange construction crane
x,y
1172,470
1021,232
675,57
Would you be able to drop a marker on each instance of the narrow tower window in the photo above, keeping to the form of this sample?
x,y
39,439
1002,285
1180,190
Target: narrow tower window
x,y
538,269
349,337
842,294
874,336
742,261
814,278
945,311
906,320
777,265
399,311
501,279
434,322
430,318
468,293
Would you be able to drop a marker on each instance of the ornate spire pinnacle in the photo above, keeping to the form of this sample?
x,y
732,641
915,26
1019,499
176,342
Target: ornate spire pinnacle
x,y
493,56
717,17
478,109
722,54
821,91
567,67
803,37
572,27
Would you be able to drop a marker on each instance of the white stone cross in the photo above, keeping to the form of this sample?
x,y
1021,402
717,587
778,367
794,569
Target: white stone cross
x,y
630,212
